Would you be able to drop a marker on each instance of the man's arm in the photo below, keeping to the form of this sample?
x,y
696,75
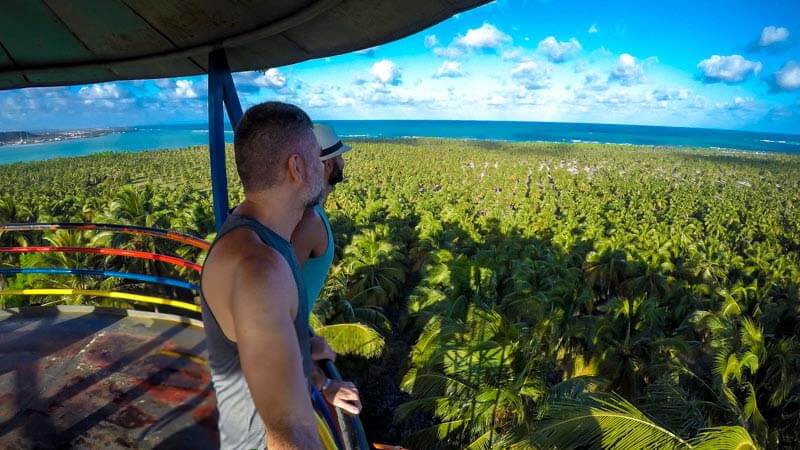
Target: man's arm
x,y
263,306
309,238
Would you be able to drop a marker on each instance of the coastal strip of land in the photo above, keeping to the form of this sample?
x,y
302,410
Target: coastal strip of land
x,y
8,138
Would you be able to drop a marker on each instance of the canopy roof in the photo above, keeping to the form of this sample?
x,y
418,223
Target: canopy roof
x,y
62,42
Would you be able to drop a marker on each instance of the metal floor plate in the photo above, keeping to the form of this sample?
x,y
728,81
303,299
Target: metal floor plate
x,y
83,377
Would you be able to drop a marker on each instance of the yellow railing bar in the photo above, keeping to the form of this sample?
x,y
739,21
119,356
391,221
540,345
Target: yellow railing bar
x,y
108,294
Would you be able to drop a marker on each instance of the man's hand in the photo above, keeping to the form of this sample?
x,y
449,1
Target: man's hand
x,y
343,395
321,350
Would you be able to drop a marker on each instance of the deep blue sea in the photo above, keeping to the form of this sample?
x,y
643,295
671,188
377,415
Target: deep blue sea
x,y
172,136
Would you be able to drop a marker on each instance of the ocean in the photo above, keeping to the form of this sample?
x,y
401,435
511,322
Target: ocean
x,y
173,136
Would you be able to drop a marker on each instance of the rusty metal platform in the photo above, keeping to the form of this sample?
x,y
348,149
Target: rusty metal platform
x,y
87,378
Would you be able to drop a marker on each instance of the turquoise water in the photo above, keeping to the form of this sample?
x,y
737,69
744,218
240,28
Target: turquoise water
x,y
173,136
135,140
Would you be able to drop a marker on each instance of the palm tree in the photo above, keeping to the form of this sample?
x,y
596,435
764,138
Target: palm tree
x,y
605,269
374,267
611,422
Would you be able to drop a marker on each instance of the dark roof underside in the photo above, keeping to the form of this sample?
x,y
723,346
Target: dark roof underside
x,y
62,42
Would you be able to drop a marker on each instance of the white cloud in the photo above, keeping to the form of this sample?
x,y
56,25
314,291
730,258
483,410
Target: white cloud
x,y
345,101
674,94
272,78
431,41
100,91
512,54
317,101
185,89
771,35
620,98
559,51
788,78
729,69
386,72
526,97
163,83
484,38
741,104
449,69
580,66
593,28
496,100
593,81
177,91
697,103
627,71
451,52
107,95
531,75
380,98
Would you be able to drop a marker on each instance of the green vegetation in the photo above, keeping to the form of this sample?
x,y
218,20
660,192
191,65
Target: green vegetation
x,y
524,295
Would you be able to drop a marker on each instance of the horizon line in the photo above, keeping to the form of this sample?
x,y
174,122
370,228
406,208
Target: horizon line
x,y
227,125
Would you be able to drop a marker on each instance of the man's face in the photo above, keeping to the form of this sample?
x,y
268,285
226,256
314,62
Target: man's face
x,y
314,179
336,171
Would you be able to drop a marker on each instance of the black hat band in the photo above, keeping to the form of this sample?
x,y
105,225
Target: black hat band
x,y
331,149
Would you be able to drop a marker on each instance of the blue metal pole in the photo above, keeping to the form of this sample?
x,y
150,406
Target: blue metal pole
x,y
217,66
231,98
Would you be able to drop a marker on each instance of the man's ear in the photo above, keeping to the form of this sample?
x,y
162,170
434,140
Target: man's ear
x,y
296,167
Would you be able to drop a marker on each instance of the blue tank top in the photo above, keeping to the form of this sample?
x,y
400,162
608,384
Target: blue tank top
x,y
315,270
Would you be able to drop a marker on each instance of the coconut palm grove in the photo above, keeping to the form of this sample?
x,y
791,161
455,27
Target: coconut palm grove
x,y
499,295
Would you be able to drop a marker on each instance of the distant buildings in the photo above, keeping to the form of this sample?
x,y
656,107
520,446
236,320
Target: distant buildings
x,y
27,137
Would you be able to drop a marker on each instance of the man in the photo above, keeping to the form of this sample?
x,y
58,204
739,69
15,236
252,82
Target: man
x,y
314,246
252,294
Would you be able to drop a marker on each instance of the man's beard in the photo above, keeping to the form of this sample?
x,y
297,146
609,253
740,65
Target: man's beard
x,y
337,175
314,193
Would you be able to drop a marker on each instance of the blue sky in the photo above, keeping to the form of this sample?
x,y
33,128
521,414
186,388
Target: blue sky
x,y
716,64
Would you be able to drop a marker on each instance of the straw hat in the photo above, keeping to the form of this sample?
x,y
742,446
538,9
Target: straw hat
x,y
331,145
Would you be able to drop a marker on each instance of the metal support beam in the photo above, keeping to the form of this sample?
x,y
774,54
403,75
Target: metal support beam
x,y
231,99
221,92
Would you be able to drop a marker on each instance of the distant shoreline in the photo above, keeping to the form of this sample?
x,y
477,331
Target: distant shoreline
x,y
133,139
15,139
585,145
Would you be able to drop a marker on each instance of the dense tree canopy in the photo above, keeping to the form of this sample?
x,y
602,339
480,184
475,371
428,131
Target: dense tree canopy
x,y
524,295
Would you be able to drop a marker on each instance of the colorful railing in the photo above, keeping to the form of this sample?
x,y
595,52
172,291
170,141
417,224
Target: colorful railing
x,y
107,294
124,229
152,279
108,252
183,239
350,431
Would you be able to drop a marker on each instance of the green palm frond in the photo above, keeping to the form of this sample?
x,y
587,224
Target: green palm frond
x,y
428,384
374,317
734,438
481,442
752,336
603,422
751,411
673,406
353,339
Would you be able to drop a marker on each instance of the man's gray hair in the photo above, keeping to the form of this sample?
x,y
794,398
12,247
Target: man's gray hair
x,y
265,137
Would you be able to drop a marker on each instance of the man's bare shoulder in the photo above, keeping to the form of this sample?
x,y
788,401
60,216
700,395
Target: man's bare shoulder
x,y
242,255
310,225
247,255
